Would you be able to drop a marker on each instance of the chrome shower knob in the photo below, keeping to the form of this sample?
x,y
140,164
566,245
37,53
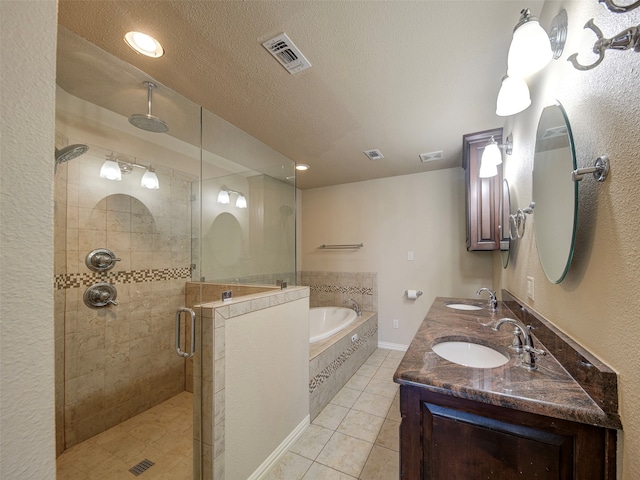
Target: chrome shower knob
x,y
101,260
100,295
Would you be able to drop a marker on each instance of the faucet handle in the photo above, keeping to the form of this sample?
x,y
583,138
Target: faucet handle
x,y
516,343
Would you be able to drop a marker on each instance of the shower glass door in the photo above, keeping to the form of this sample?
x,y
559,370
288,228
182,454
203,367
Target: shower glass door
x,y
127,400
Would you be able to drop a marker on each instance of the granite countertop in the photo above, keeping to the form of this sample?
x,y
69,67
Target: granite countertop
x,y
548,391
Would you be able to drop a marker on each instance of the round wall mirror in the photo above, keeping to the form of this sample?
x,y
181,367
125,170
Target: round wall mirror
x,y
505,211
554,192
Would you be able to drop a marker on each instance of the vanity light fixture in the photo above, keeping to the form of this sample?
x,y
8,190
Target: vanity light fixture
x,y
513,97
150,180
110,169
224,197
144,44
113,169
531,47
531,50
492,157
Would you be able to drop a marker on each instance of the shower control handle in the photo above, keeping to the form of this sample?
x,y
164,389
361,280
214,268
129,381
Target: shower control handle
x,y
101,260
100,295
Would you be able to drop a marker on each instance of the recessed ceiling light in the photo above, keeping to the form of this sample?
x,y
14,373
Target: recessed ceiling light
x,y
302,167
144,44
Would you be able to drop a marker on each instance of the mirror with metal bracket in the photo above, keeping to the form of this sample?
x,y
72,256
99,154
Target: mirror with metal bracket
x,y
554,192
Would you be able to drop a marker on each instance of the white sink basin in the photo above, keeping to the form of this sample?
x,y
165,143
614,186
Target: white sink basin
x,y
470,354
462,306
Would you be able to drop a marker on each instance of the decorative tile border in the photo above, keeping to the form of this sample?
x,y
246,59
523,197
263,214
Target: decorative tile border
x,y
76,280
330,369
351,290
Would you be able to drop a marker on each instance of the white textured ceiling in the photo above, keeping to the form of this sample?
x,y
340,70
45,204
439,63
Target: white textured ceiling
x,y
405,77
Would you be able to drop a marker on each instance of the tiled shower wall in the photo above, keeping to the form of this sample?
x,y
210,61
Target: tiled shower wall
x,y
115,362
333,288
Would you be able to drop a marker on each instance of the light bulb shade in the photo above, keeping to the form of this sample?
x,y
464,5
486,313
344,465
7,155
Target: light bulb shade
x,y
110,170
491,155
513,97
487,169
223,197
150,180
530,49
241,201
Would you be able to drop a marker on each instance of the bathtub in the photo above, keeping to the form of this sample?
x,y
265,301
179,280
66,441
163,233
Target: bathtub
x,y
325,321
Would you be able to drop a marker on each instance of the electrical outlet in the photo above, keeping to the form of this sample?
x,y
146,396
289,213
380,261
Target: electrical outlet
x,y
410,256
396,323
530,288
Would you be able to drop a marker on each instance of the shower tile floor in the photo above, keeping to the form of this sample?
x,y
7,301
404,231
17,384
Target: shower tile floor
x,y
354,437
162,434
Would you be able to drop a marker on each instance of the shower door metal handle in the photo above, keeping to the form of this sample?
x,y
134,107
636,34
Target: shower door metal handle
x,y
192,347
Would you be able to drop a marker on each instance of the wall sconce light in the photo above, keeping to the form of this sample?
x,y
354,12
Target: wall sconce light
x,y
531,50
113,169
531,47
110,170
224,197
150,180
513,97
492,157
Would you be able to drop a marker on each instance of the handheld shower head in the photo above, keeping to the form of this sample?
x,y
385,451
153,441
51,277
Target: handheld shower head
x,y
69,153
148,121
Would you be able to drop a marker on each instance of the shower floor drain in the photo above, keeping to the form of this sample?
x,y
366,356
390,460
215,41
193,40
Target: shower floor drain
x,y
141,467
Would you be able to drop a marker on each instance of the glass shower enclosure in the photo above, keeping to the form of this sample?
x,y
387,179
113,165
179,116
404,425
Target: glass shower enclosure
x,y
133,262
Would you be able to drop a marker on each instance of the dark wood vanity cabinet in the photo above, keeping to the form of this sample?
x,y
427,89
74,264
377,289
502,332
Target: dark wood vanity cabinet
x,y
482,194
448,438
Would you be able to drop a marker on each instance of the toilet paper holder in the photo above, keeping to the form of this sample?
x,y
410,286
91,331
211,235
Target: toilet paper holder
x,y
418,293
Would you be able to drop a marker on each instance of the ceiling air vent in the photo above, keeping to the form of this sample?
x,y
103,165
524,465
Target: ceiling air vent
x,y
431,156
283,49
374,154
554,132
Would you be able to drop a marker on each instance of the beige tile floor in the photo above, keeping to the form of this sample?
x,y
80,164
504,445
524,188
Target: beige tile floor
x,y
162,434
356,435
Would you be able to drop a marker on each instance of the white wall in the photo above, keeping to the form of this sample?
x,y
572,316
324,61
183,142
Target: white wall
x,y
27,430
597,304
423,213
267,394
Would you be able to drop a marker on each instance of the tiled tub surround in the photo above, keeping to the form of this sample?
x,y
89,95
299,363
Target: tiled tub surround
x,y
115,362
219,403
550,391
333,288
334,360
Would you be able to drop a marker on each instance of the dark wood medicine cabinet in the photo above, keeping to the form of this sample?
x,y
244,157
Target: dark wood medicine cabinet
x,y
482,194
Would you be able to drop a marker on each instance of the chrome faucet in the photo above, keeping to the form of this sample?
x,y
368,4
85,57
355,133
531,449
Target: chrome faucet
x,y
528,351
493,300
355,306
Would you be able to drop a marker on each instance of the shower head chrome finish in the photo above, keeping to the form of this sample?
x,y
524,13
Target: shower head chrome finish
x,y
148,121
69,153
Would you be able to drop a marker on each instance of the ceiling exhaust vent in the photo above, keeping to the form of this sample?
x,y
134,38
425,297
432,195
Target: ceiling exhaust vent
x,y
431,156
283,49
554,132
374,154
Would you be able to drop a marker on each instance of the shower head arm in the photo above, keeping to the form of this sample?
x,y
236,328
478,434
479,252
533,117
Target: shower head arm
x,y
150,87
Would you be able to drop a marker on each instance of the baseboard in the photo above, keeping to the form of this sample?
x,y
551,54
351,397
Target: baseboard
x,y
263,470
393,346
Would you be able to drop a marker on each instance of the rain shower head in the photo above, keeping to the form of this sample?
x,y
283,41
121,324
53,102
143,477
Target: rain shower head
x,y
69,153
148,121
